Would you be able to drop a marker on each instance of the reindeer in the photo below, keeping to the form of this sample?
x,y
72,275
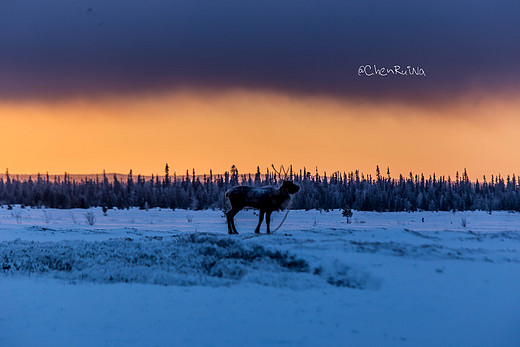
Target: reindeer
x,y
266,199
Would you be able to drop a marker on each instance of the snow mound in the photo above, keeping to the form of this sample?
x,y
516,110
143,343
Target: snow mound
x,y
434,251
189,259
343,275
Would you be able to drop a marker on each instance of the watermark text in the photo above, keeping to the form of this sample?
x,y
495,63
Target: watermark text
x,y
396,70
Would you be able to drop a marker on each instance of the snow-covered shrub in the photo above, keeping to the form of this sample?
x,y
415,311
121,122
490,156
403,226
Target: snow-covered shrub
x,y
73,218
347,213
17,214
46,216
185,260
90,217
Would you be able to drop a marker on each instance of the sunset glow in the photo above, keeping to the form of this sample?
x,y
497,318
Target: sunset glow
x,y
206,131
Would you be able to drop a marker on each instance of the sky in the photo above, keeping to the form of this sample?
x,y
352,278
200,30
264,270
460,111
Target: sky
x,y
88,85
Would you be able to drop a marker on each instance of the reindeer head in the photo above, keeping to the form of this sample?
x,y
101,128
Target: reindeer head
x,y
290,187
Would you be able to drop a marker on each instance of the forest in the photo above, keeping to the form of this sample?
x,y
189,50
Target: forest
x,y
346,190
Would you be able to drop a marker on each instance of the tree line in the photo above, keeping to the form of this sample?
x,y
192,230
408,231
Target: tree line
x,y
352,190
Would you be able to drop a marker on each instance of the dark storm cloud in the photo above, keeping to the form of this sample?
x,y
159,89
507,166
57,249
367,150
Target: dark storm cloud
x,y
56,48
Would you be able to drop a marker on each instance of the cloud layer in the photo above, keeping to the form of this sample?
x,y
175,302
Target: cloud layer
x,y
59,49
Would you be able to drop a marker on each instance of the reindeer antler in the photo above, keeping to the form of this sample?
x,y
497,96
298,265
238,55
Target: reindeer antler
x,y
282,169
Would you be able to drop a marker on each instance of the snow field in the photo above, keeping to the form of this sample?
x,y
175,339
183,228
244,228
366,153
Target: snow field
x,y
163,277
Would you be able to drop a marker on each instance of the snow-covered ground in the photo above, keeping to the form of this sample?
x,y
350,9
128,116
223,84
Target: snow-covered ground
x,y
174,278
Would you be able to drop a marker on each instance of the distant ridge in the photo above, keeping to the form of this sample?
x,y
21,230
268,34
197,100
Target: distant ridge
x,y
80,177
76,177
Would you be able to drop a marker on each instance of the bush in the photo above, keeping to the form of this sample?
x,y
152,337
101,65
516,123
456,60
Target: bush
x,y
347,213
90,217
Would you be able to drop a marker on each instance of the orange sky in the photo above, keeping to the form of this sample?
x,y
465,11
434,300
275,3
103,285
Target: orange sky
x,y
248,128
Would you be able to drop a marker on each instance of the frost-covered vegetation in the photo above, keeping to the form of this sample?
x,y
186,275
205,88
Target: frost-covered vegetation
x,y
340,190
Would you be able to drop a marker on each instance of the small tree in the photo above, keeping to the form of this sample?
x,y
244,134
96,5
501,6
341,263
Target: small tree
x,y
347,213
167,175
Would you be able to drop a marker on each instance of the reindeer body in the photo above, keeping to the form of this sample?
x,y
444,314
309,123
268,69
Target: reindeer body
x,y
266,199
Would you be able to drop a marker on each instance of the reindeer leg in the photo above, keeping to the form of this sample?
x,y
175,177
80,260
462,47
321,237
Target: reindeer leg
x,y
268,220
228,218
233,225
260,219
235,211
230,215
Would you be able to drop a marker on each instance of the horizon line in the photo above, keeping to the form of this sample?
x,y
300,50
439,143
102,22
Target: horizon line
x,y
313,173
